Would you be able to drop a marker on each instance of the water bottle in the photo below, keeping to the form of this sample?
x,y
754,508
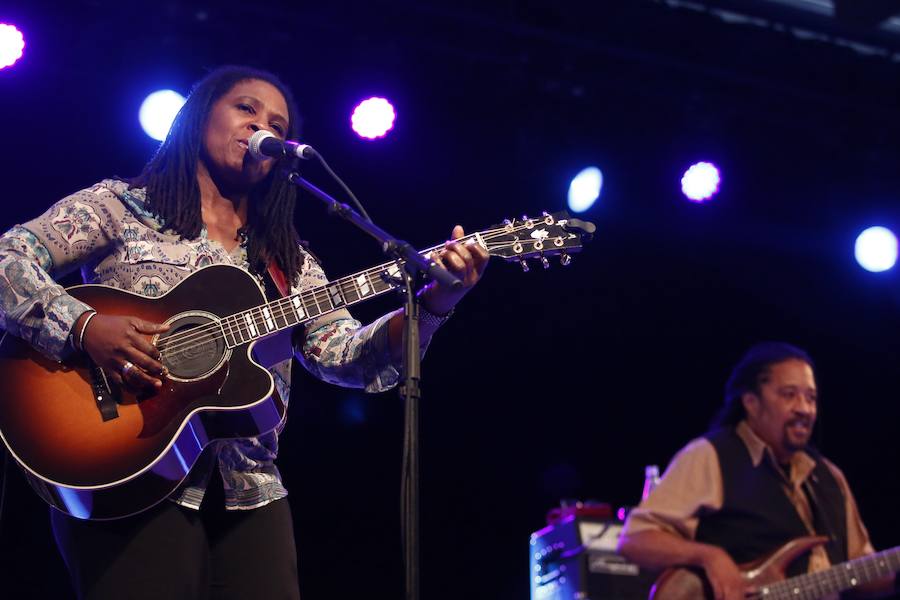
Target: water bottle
x,y
651,480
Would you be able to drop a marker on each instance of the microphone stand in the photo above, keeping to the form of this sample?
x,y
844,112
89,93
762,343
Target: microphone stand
x,y
412,264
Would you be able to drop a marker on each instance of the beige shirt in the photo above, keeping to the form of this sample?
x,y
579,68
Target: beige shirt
x,y
692,486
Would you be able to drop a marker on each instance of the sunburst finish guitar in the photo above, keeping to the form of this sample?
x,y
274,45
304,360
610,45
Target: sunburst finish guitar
x,y
95,451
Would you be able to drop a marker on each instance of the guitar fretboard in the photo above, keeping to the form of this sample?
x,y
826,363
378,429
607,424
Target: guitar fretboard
x,y
293,310
844,576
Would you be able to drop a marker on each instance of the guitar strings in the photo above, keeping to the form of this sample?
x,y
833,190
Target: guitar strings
x,y
215,329
317,295
237,326
236,323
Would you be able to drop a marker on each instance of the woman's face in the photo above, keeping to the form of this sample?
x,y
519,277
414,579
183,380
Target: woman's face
x,y
247,107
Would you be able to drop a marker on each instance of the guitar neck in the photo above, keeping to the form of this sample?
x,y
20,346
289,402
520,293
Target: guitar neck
x,y
838,578
548,235
278,315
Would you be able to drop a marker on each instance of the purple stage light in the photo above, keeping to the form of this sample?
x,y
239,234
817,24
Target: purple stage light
x,y
12,45
373,118
700,182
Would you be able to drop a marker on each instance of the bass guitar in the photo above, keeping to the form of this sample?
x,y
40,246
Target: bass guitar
x,y
766,576
95,451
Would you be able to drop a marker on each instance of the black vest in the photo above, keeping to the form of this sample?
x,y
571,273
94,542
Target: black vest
x,y
757,517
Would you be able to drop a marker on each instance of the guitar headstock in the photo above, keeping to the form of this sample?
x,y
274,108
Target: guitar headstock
x,y
537,237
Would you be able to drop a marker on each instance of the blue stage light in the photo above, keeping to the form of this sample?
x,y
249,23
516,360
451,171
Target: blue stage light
x,y
876,249
585,189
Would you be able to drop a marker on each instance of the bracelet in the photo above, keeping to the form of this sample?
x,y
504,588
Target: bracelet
x,y
429,318
80,345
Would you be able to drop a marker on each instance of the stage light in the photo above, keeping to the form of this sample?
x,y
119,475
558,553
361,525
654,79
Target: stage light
x,y
157,112
585,189
12,45
700,182
876,249
373,118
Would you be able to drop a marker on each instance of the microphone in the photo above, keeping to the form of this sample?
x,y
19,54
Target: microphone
x,y
264,144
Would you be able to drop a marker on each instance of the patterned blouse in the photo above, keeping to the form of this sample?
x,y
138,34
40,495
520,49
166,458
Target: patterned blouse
x,y
108,232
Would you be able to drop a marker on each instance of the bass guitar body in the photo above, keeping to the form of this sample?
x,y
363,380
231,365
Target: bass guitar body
x,y
691,584
102,464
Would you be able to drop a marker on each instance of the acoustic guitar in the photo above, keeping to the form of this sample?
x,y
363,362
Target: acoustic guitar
x,y
95,451
766,576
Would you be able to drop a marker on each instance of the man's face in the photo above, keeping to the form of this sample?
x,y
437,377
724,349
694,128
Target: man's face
x,y
784,411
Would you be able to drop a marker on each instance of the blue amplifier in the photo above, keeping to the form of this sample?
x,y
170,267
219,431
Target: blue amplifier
x,y
575,559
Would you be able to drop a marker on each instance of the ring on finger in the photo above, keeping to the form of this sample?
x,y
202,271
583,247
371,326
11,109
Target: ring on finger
x,y
126,368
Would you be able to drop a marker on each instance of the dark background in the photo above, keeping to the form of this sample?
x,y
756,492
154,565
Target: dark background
x,y
551,384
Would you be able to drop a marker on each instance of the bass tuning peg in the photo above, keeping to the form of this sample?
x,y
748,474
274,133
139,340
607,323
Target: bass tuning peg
x,y
524,264
565,260
545,262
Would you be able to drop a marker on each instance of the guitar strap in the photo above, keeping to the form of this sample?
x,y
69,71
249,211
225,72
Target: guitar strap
x,y
276,275
822,519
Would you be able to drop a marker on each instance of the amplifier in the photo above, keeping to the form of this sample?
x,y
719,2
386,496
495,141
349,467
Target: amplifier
x,y
575,559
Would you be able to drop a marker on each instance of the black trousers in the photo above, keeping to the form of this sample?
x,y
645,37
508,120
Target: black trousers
x,y
177,553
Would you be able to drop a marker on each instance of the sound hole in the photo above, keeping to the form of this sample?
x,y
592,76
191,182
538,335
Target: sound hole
x,y
192,347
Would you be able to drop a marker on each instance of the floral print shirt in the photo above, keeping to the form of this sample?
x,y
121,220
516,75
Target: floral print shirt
x,y
108,232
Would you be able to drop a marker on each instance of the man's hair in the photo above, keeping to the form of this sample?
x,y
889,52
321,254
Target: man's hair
x,y
749,374
173,193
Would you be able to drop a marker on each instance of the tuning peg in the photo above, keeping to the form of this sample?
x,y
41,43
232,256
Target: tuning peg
x,y
545,262
565,260
524,264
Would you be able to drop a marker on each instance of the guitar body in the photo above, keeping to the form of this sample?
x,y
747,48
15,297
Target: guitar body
x,y
93,468
691,584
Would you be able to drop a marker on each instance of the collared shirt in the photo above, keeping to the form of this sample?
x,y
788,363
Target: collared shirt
x,y
108,232
692,486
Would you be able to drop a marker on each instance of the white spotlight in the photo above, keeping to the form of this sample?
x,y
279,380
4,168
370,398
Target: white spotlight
x,y
157,112
700,182
876,249
585,189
